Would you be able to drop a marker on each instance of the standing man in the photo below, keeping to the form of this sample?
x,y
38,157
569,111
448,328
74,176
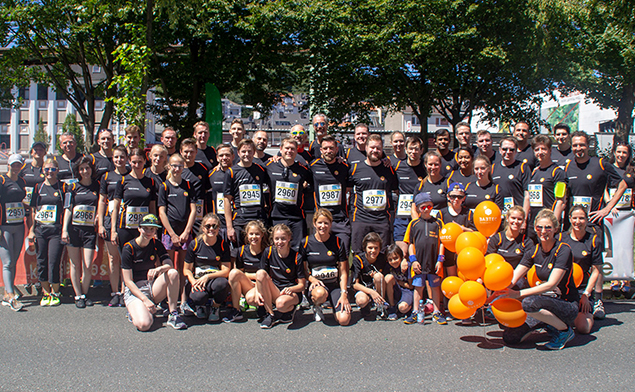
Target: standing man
x,y
32,172
373,182
298,133
205,154
288,181
321,127
237,131
442,142
102,159
261,140
512,177
357,153
330,186
464,136
525,152
68,158
562,153
169,139
484,144
216,179
132,137
196,173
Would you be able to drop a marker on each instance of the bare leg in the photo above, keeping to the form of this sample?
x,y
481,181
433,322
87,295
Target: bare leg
x,y
75,258
87,274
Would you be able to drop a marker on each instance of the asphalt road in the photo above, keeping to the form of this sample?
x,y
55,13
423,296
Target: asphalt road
x,y
96,348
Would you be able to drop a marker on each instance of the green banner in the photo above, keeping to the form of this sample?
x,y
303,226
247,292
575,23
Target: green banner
x,y
213,114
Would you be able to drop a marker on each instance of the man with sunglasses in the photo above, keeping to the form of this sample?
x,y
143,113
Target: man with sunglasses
x,y
512,177
298,133
525,154
321,128
69,156
562,153
102,159
288,180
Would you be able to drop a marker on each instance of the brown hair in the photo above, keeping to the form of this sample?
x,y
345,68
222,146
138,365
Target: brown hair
x,y
133,129
280,227
201,124
322,212
541,139
207,217
264,242
371,237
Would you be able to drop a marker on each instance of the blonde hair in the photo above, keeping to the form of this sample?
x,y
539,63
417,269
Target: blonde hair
x,y
207,217
322,212
280,227
174,156
509,213
546,213
258,225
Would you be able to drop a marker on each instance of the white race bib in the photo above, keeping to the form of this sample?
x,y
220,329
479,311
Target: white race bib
x,y
111,206
330,195
434,213
46,214
625,200
14,212
84,215
535,195
134,216
324,273
199,209
200,272
404,205
374,199
220,203
584,201
287,192
70,181
249,195
508,202
29,194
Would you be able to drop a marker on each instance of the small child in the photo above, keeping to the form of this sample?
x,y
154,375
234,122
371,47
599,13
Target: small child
x,y
367,277
456,212
426,257
398,286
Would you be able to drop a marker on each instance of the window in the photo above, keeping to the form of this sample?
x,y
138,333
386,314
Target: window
x,y
5,142
24,93
96,69
441,122
5,116
42,92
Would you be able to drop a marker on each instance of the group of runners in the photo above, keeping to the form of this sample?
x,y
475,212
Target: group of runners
x,y
317,223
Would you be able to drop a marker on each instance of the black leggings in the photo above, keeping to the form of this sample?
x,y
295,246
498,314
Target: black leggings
x,y
49,252
215,288
564,310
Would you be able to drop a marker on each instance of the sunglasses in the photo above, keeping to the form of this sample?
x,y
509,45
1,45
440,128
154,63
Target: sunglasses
x,y
319,124
456,196
296,133
507,149
544,228
50,169
426,208
212,226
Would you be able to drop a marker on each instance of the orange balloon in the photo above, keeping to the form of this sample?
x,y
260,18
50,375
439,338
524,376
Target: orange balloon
x,y
532,278
449,234
460,274
451,285
578,275
472,294
509,312
471,263
498,275
487,218
458,309
483,240
493,258
468,239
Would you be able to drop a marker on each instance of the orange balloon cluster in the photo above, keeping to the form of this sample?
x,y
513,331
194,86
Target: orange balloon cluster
x,y
509,312
471,263
487,218
471,239
578,275
498,275
458,309
449,233
451,285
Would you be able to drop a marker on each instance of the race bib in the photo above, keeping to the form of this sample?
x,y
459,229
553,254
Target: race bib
x,y
434,213
29,194
324,273
404,205
70,181
84,215
46,214
330,195
625,200
287,192
134,216
220,203
14,212
200,272
535,195
199,209
374,199
111,206
249,195
508,202
584,201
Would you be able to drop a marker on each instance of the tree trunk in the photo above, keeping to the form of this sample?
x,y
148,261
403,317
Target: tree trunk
x,y
624,122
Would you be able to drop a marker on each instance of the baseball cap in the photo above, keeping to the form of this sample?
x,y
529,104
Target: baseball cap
x,y
421,198
40,144
150,220
15,158
456,186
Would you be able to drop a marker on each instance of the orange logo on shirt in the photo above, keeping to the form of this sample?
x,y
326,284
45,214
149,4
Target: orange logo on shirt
x,y
382,178
336,172
56,194
152,257
288,271
257,178
542,180
511,177
448,167
550,266
487,196
584,253
184,193
588,176
517,251
148,190
41,175
217,258
329,253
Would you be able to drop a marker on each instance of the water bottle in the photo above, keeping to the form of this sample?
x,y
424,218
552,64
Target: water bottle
x,y
421,313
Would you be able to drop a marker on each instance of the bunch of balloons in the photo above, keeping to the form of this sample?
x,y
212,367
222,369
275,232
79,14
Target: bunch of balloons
x,y
466,292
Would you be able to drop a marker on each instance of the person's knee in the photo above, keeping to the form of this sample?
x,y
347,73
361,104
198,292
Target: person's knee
x,y
390,280
403,307
529,304
362,300
378,278
318,295
142,322
173,275
583,323
343,318
234,275
262,276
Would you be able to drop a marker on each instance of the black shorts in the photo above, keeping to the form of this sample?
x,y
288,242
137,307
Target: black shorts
x,y
299,295
360,229
334,294
82,238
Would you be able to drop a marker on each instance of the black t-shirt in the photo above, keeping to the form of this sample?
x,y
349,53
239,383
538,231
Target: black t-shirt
x,y
353,156
373,187
135,195
626,201
287,189
197,175
107,187
65,172
262,161
512,182
176,199
448,163
216,193
409,178
247,261
248,187
284,272
463,218
323,258
588,180
102,164
436,190
32,175
512,251
207,258
48,202
495,158
457,176
82,202
527,157
141,260
561,158
362,268
330,181
541,188
558,257
12,193
587,252
206,157
158,178
424,235
314,149
475,194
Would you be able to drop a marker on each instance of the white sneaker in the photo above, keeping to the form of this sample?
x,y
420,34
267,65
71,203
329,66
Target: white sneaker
x,y
319,314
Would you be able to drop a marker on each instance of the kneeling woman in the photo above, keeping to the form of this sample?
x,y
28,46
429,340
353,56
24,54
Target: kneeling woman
x,y
281,279
326,268
206,268
146,284
554,302
242,279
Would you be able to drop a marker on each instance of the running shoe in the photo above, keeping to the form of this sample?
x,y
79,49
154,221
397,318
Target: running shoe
x,y
46,300
438,317
411,319
201,312
267,322
286,318
80,303
305,303
560,339
319,314
122,302
186,309
13,303
88,301
598,310
261,312
114,301
392,314
366,313
233,316
55,299
214,314
175,321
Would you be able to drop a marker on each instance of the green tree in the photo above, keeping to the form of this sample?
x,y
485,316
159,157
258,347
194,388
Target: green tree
x,y
41,135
